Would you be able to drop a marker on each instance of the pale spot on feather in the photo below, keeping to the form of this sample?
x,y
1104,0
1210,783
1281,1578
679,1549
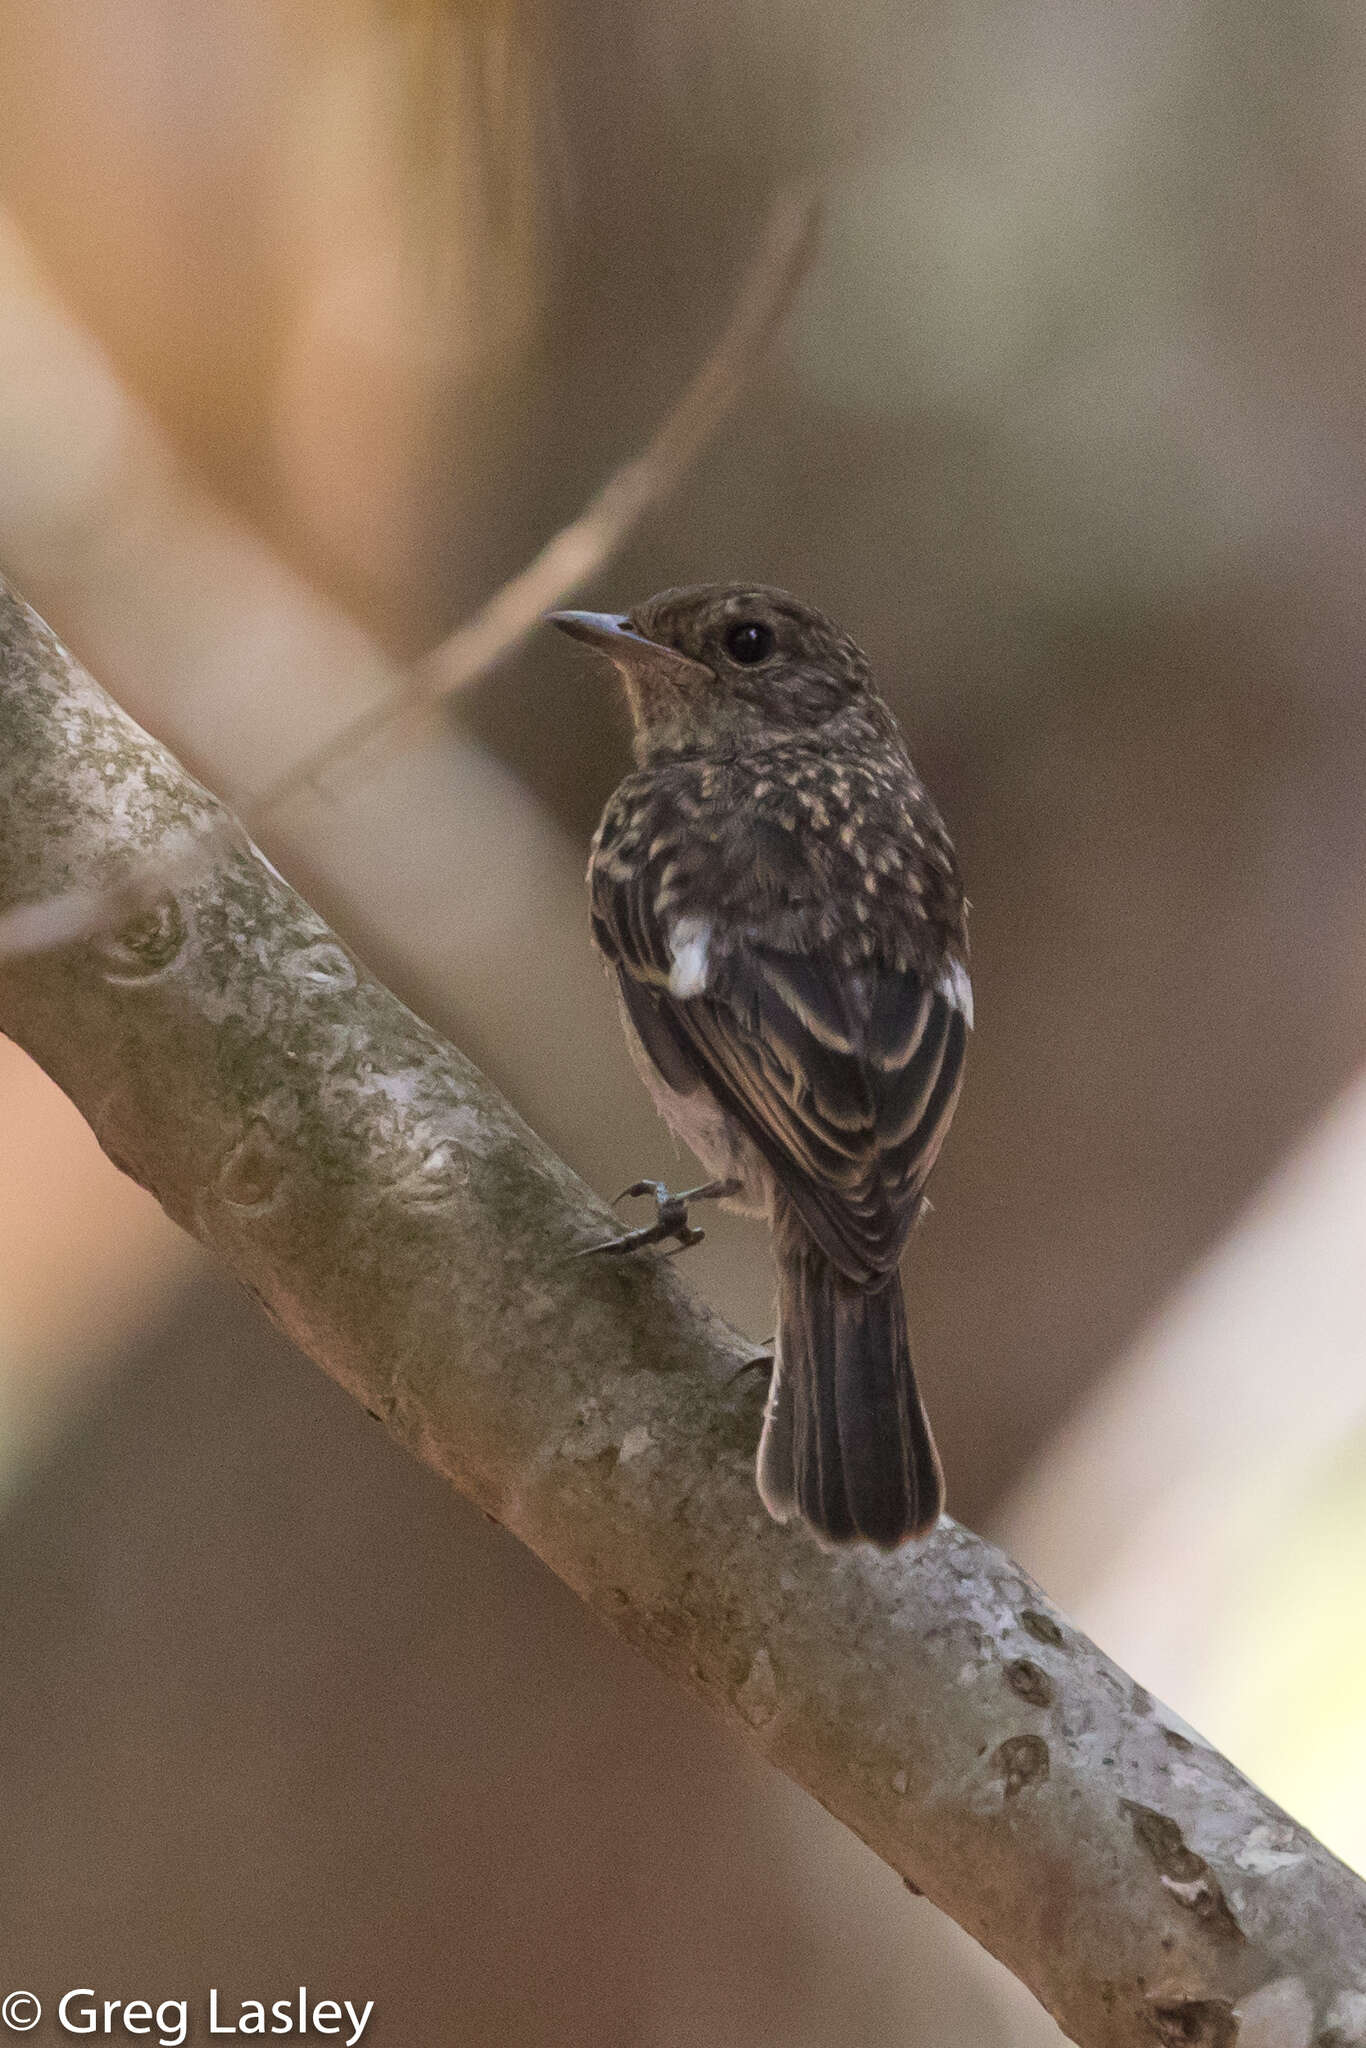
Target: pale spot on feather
x,y
955,988
689,943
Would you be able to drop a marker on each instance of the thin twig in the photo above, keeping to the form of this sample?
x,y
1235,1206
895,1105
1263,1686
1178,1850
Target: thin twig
x,y
567,561
578,551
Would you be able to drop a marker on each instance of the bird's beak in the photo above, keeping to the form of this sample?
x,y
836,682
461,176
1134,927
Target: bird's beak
x,y
602,630
612,634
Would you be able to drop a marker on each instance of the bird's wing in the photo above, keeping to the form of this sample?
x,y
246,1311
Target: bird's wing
x,y
845,1083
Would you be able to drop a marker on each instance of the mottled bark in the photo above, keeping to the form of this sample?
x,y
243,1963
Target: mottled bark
x,y
398,1219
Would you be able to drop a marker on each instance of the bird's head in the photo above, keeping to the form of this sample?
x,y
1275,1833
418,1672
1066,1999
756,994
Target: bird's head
x,y
722,665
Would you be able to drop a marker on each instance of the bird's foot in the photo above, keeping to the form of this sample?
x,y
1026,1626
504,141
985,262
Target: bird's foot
x,y
671,1217
762,1361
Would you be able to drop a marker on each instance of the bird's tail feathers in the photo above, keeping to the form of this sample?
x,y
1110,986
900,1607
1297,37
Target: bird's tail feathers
x,y
846,1444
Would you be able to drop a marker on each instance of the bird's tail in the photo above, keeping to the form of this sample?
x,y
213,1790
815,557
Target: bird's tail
x,y
846,1444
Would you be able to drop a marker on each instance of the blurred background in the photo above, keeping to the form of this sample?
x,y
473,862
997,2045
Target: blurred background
x,y
315,321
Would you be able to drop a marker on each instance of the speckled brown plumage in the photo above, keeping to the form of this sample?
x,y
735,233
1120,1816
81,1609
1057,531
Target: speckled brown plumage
x,y
779,901
837,850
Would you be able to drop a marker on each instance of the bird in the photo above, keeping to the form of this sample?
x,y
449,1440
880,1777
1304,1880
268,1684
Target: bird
x,y
780,905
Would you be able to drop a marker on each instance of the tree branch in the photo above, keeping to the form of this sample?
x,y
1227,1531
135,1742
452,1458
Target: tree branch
x,y
403,1225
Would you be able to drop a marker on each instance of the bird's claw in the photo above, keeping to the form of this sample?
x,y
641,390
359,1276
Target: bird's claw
x,y
671,1218
762,1361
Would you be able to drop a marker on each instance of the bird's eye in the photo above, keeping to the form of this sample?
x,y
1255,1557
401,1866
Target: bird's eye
x,y
749,640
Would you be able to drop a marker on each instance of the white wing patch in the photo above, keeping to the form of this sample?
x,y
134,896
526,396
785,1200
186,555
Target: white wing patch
x,y
689,945
954,986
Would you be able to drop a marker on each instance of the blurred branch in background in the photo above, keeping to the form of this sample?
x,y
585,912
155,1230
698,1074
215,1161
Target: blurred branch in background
x,y
239,665
404,1226
580,551
567,562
